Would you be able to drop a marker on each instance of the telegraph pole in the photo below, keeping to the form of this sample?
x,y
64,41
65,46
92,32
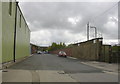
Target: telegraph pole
x,y
88,31
95,30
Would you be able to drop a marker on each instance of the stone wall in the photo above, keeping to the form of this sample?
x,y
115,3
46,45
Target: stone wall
x,y
88,50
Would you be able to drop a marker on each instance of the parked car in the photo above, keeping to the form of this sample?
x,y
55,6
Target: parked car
x,y
39,52
62,54
45,52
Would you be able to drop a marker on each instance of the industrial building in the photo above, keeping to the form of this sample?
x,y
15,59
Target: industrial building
x,y
34,48
0,33
15,32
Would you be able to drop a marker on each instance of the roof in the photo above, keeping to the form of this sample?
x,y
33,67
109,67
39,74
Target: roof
x,y
86,41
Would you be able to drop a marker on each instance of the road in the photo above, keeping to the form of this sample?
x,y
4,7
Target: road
x,y
51,68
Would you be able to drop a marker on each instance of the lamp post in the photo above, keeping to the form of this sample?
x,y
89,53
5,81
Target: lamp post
x,y
95,30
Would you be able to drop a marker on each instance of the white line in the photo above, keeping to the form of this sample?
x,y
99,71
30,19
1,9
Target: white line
x,y
71,57
110,72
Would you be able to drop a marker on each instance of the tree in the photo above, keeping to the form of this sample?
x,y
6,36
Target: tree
x,y
56,46
70,46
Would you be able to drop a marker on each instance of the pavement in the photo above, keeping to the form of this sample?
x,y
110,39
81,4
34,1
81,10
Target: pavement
x,y
107,69
94,77
110,67
0,73
0,76
51,68
35,76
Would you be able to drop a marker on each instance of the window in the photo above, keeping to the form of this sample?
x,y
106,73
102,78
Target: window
x,y
10,7
100,39
94,41
20,21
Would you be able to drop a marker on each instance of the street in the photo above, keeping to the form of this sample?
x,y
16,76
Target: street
x,y
59,42
51,68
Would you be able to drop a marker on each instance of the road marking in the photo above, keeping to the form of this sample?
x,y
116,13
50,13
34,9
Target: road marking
x,y
109,72
72,57
61,72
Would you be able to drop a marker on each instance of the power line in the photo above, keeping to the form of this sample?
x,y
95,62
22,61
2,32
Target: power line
x,y
96,17
116,4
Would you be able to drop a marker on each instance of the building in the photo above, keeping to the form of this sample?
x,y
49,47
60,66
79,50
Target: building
x,y
34,48
42,48
15,32
0,33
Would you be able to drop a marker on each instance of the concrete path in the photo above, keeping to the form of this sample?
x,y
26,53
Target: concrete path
x,y
36,76
111,67
0,76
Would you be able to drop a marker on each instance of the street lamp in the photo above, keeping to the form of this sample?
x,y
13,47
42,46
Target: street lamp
x,y
95,30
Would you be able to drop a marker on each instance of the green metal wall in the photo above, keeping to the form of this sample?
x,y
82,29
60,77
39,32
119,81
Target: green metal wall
x,y
22,37
22,34
8,23
0,32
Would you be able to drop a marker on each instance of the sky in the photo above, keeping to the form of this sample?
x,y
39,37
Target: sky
x,y
66,21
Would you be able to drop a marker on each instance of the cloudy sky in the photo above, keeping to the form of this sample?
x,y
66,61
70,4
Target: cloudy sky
x,y
66,21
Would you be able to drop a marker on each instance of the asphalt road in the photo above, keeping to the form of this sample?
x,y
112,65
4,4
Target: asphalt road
x,y
73,67
53,62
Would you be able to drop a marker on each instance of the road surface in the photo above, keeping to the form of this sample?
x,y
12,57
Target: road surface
x,y
51,68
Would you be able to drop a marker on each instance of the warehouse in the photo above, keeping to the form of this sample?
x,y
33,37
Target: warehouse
x,y
0,33
34,48
15,33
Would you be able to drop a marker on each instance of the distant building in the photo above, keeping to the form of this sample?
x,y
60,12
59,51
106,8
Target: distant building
x,y
34,48
42,48
15,32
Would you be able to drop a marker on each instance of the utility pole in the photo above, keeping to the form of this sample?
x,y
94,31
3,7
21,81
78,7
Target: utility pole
x,y
95,30
88,31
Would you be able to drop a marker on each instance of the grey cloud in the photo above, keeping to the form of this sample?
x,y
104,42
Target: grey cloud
x,y
54,15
